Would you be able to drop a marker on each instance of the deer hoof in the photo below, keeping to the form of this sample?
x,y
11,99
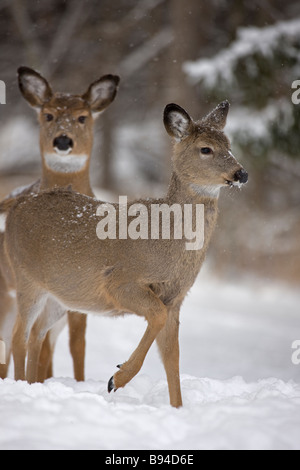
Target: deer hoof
x,y
111,385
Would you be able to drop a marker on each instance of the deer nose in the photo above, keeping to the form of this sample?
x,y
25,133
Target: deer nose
x,y
63,142
241,176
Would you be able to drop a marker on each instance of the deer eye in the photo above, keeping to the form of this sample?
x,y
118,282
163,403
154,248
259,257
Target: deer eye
x,y
49,117
206,151
82,119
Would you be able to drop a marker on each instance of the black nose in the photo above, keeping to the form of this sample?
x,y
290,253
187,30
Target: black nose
x,y
63,142
241,176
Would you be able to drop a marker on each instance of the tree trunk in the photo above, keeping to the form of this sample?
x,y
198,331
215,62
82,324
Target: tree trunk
x,y
191,24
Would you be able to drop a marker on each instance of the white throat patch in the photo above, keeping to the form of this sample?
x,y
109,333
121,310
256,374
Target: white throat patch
x,y
207,191
66,164
63,153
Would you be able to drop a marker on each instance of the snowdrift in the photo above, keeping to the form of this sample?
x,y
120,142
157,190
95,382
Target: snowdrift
x,y
228,332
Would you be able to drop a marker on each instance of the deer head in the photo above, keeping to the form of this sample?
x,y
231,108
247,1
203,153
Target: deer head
x,y
202,156
66,121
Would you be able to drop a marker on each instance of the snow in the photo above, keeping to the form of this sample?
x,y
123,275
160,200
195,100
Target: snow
x,y
217,415
240,387
250,41
247,124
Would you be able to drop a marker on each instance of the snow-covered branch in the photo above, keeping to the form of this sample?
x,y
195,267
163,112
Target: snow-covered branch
x,y
250,124
250,41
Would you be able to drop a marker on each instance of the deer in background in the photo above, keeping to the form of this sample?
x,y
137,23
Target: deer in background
x,y
66,141
54,252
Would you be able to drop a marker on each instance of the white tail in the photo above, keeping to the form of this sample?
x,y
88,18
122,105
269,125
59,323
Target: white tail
x,y
55,253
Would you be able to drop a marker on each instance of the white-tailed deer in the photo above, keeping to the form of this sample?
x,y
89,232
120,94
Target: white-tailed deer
x,y
66,141
54,251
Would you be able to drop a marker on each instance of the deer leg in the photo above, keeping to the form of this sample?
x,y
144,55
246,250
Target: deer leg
x,y
7,338
77,330
56,315
49,371
31,302
45,369
142,302
19,348
8,310
35,345
7,319
168,344
50,318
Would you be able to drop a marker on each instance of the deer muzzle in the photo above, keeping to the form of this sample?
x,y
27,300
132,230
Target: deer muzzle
x,y
63,144
241,176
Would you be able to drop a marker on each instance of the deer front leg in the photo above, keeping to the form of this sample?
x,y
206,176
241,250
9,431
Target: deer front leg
x,y
77,330
142,302
168,344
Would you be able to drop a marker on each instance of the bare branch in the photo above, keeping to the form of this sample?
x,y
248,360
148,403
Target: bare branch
x,y
74,15
21,17
146,52
131,19
141,9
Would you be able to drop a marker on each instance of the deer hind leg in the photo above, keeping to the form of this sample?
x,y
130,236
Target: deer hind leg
x,y
7,320
51,316
168,344
143,302
35,344
31,301
45,370
7,309
77,330
46,356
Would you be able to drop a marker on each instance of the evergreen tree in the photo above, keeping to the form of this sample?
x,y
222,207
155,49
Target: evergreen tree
x,y
256,73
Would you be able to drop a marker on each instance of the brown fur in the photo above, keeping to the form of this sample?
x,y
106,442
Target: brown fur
x,y
56,253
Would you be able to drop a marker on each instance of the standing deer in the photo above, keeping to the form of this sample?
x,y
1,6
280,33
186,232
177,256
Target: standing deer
x,y
66,141
54,252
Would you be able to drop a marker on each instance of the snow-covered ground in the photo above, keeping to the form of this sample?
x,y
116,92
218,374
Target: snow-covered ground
x,y
240,387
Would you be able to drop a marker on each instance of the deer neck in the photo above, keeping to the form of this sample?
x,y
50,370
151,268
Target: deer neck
x,y
79,180
181,193
186,193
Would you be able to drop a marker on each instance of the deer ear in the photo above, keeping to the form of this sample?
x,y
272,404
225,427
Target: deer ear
x,y
177,122
34,88
218,117
102,93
